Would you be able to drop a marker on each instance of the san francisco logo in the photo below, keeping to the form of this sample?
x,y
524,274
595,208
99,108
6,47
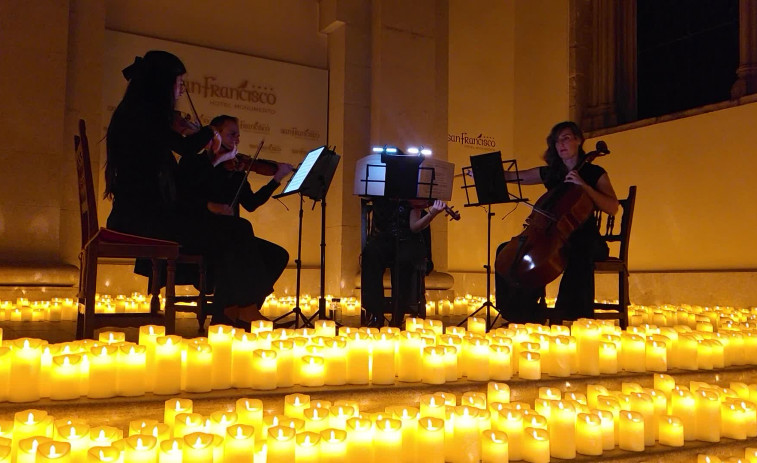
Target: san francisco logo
x,y
305,133
256,126
472,141
244,92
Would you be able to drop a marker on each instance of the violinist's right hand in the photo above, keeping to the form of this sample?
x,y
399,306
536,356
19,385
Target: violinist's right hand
x,y
220,209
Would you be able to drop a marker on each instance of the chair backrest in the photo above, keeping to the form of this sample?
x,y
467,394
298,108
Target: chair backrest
x,y
87,203
621,234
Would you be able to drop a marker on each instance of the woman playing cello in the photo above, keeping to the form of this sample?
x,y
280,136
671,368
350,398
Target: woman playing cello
x,y
575,298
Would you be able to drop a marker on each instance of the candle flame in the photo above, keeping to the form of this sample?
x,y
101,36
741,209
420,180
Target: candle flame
x,y
26,343
239,435
30,419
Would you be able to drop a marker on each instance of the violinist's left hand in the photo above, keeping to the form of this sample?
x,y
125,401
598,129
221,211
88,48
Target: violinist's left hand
x,y
223,154
573,177
282,171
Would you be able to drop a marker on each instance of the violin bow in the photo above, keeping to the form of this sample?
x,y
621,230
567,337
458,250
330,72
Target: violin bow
x,y
246,173
192,105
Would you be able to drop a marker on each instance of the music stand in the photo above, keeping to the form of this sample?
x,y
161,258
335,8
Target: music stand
x,y
491,188
312,179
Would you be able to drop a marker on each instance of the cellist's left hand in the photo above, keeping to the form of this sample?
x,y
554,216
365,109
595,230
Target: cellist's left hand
x,y
573,177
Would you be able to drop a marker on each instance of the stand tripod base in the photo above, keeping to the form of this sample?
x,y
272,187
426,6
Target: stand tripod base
x,y
489,322
299,321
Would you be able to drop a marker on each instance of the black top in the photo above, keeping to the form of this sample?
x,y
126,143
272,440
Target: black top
x,y
140,149
391,218
589,172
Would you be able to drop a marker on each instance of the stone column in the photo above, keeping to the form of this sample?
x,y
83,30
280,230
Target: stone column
x,y
747,71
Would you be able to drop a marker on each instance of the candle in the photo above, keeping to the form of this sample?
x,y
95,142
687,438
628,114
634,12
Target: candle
x,y
220,338
104,436
25,369
707,415
433,365
316,419
326,328
197,367
242,346
478,360
296,404
170,451
466,440
131,370
670,431
430,440
500,368
264,364
559,355
387,439
535,445
100,454
358,354
112,337
66,376
77,436
409,358
141,449
632,353
250,412
239,444
26,449
511,422
197,448
607,427
167,365
588,434
608,358
587,348
173,407
383,370
642,402
333,447
285,369
219,421
498,392
102,372
683,405
188,423
656,356
312,371
59,452
631,431
493,447
360,440
280,444
529,365
562,430
306,447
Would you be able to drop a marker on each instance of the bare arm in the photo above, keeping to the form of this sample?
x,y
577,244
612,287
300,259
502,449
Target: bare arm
x,y
603,196
530,176
418,223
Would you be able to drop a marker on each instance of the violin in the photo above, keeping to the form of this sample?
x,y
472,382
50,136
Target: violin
x,y
244,163
424,203
536,256
184,124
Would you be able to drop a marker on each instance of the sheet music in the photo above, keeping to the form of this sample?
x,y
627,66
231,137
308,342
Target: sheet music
x,y
302,171
370,177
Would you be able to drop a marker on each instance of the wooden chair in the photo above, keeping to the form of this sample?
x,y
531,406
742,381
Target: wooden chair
x,y
105,243
416,306
617,264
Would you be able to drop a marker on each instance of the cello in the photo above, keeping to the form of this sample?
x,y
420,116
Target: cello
x,y
536,256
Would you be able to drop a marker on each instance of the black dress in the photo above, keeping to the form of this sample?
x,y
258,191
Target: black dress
x,y
243,267
391,238
575,298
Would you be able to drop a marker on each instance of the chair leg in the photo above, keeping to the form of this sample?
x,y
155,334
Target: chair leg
x,y
202,310
169,313
623,299
88,329
155,287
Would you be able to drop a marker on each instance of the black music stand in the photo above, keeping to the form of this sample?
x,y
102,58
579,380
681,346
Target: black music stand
x,y
401,181
491,188
312,179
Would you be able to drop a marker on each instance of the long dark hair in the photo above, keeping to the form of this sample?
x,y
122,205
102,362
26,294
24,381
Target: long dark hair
x,y
557,169
149,96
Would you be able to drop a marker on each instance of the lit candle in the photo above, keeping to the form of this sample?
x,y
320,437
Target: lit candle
x,y
131,370
66,376
326,328
58,452
535,445
498,392
478,360
656,356
102,372
631,431
670,431
316,419
112,337
607,426
77,436
387,440
296,404
280,444
239,444
608,358
26,449
250,412
358,354
587,348
197,448
107,454
500,368
264,364
219,421
167,365
285,365
197,367
104,436
242,346
170,451
511,422
383,369
409,358
683,406
588,434
560,358
466,441
360,440
333,447
25,369
433,365
562,430
141,449
312,371
642,403
708,420
430,440
529,365
220,338
173,407
493,447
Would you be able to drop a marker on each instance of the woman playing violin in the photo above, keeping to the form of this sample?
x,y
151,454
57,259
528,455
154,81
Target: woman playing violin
x,y
576,293
208,194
